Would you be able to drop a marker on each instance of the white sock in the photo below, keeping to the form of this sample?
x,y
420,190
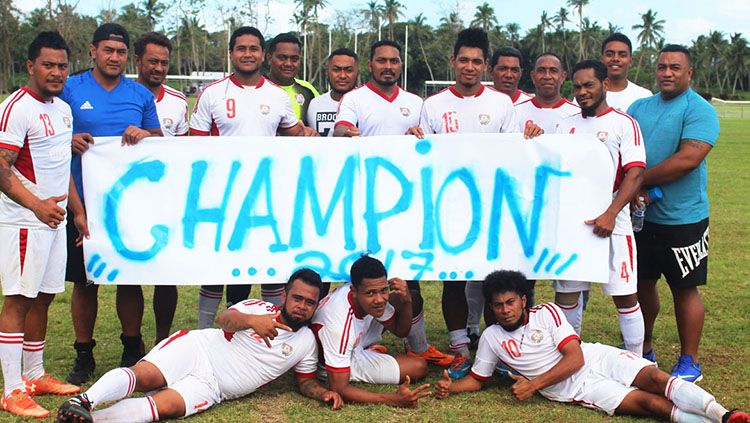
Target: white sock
x,y
272,294
417,338
460,342
114,385
475,301
691,398
574,314
131,410
681,416
33,359
632,329
208,303
11,351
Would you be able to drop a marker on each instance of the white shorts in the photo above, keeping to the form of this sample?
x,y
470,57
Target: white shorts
x,y
373,367
187,368
32,261
609,378
623,274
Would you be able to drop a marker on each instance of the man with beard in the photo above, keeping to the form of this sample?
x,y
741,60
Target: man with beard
x,y
104,103
350,320
242,104
194,370
547,356
466,107
548,107
621,135
617,54
343,72
380,107
152,51
35,136
506,73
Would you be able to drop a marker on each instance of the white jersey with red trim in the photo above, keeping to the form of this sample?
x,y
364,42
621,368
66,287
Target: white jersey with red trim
x,y
172,109
548,117
622,136
489,111
339,330
621,100
40,132
243,362
520,96
531,350
375,114
229,108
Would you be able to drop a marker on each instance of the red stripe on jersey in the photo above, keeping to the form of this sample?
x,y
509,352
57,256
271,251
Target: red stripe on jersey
x,y
6,113
228,335
161,94
301,375
605,112
634,164
629,240
389,321
175,336
636,133
338,369
214,129
347,331
554,313
478,377
619,173
316,327
23,239
10,147
345,123
174,93
199,132
566,340
381,94
24,162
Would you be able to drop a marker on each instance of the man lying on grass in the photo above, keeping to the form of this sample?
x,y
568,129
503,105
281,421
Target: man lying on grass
x,y
546,356
193,370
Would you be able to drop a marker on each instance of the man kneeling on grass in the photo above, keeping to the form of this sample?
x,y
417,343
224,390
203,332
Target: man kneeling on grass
x,y
191,371
546,356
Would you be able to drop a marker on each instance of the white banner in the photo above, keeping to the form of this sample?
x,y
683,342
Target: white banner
x,y
230,210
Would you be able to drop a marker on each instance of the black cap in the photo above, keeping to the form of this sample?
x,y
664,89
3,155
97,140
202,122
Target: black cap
x,y
111,31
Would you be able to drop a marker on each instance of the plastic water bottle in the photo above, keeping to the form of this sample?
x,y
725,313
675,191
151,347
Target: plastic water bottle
x,y
638,215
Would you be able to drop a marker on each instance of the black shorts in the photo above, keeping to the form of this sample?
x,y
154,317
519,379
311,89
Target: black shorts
x,y
74,270
679,252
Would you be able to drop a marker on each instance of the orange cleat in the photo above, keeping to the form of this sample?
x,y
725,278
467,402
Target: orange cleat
x,y
49,385
382,349
433,356
21,404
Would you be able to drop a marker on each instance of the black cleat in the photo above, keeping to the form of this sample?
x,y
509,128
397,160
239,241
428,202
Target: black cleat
x,y
473,341
84,364
76,409
133,350
735,416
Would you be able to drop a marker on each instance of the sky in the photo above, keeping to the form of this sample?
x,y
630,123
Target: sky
x,y
685,19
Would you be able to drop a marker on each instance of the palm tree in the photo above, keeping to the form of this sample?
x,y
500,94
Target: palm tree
x,y
154,10
419,28
452,22
560,19
737,58
484,17
391,12
651,32
578,5
717,46
513,29
544,23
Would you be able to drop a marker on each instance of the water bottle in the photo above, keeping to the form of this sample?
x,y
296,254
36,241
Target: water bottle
x,y
639,214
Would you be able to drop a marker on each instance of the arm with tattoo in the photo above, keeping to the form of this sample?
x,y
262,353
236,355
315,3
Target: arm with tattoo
x,y
310,388
688,157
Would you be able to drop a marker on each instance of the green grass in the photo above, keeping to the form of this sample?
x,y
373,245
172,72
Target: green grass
x,y
725,349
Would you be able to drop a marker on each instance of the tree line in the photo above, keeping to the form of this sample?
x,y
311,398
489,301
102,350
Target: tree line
x,y
721,62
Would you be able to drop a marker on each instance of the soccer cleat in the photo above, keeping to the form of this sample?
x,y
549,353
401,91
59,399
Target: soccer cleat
x,y
433,356
133,350
459,367
504,370
381,349
473,341
84,364
21,404
49,385
650,356
735,416
76,409
686,369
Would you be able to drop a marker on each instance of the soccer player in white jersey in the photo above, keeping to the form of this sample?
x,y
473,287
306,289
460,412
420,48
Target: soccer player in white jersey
x,y
191,371
380,107
547,356
621,135
350,320
343,72
152,53
548,107
617,54
244,103
36,130
506,73
466,107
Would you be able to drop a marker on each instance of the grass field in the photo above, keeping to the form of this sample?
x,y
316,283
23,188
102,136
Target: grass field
x,y
725,350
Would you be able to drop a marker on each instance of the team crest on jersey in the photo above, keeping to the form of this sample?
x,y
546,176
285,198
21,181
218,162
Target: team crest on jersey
x,y
68,122
265,109
286,349
602,136
405,112
167,122
484,119
536,336
300,98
